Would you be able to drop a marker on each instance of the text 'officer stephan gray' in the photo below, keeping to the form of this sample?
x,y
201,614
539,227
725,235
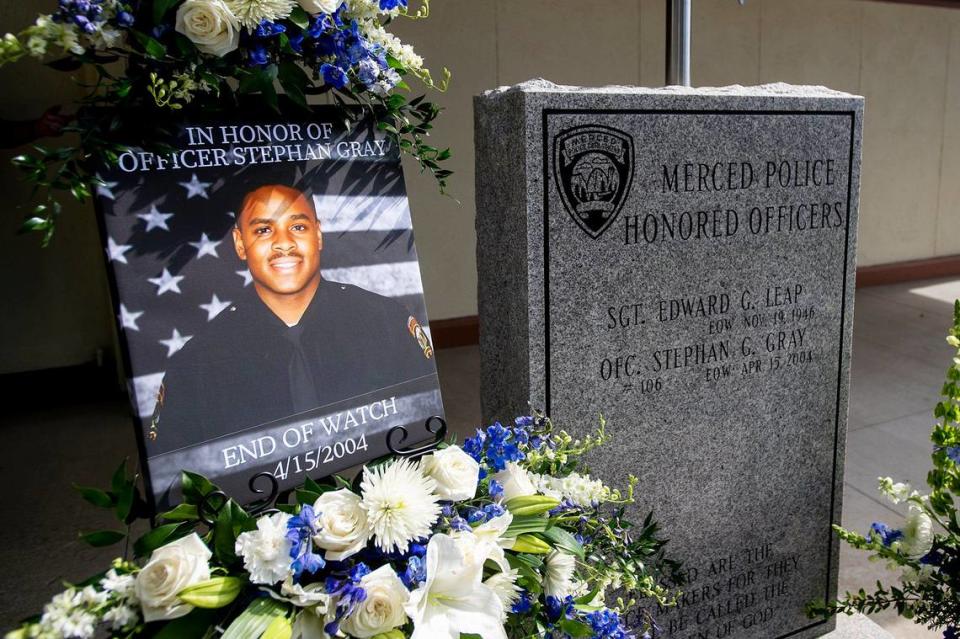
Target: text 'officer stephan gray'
x,y
297,342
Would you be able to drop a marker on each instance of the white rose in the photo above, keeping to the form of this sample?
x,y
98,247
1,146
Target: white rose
x,y
320,6
455,472
382,610
344,529
172,568
516,482
210,25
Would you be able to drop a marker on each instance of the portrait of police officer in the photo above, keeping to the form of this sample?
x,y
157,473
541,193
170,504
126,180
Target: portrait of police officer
x,y
293,343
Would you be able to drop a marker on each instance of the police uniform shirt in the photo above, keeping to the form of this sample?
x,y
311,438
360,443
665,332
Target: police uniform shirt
x,y
249,367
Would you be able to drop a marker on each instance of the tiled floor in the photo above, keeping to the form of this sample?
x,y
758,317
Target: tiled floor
x,y
899,361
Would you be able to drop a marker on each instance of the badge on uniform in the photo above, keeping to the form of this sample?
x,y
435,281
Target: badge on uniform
x,y
421,336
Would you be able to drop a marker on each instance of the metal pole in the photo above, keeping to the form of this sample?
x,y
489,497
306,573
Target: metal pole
x,y
678,42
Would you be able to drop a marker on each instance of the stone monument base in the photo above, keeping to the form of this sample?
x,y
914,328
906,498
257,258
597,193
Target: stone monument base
x,y
857,627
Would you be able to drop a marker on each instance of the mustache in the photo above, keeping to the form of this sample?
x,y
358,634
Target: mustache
x,y
278,255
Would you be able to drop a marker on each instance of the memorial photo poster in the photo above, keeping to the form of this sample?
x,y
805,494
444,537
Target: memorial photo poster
x,y
269,300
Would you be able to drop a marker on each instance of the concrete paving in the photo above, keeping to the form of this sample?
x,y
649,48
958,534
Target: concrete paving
x,y
899,360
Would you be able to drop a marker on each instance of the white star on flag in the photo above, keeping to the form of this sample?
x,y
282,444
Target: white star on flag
x,y
205,246
155,219
104,188
166,282
115,252
176,342
215,307
129,318
196,188
247,277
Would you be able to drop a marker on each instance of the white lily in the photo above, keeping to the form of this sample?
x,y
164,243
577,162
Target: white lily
x,y
486,541
454,599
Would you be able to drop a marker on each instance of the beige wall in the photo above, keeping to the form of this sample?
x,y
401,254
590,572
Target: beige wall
x,y
904,59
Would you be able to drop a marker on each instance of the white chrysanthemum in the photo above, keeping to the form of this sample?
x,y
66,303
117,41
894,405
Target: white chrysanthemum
x,y
504,584
251,13
558,575
266,550
400,502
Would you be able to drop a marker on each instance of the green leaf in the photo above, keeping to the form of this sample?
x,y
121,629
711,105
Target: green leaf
x,y
563,540
193,626
195,486
225,536
255,620
294,80
151,46
119,479
95,496
212,593
125,501
102,538
526,524
160,8
576,628
183,512
300,17
279,628
154,539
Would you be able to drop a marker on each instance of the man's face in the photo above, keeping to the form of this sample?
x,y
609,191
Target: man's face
x,y
279,237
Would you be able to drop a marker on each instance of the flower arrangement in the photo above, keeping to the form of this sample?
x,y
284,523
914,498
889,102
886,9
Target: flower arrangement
x,y
925,549
157,60
504,537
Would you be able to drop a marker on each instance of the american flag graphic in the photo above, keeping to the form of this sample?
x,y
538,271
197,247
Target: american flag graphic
x,y
168,244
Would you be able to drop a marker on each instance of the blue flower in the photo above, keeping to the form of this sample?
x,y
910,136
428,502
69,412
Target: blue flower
x,y
473,446
125,19
523,421
476,516
296,42
267,29
415,573
496,489
953,452
389,5
333,75
523,605
349,593
606,624
460,524
368,71
557,608
259,56
300,531
493,510
887,535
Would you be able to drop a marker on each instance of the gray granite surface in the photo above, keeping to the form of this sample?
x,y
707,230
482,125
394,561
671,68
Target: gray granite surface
x,y
682,261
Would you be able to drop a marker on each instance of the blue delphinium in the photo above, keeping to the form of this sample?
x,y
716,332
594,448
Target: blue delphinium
x,y
300,531
390,5
497,446
886,534
348,592
333,75
415,572
524,603
606,624
496,489
953,452
85,14
259,56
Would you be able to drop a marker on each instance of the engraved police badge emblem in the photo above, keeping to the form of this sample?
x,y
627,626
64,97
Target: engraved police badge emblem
x,y
593,169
